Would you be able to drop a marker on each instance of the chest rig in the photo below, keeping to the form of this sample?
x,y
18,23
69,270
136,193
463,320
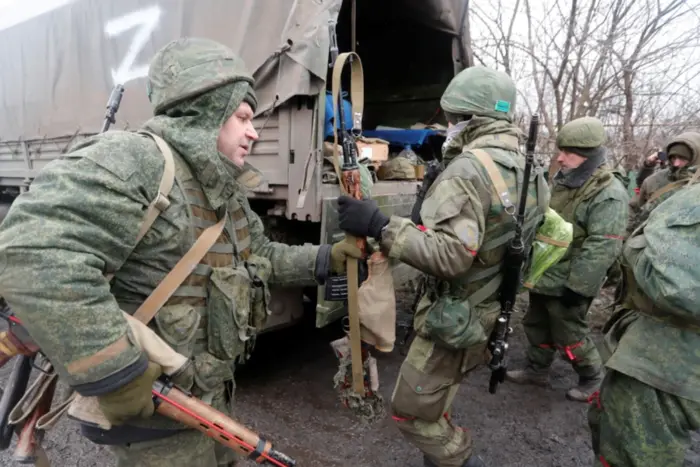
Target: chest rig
x,y
231,247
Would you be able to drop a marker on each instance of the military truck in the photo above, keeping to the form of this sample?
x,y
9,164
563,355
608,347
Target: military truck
x,y
60,59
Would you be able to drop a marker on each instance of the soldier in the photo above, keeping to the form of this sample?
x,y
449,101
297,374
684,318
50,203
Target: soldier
x,y
80,219
683,157
460,246
587,194
649,401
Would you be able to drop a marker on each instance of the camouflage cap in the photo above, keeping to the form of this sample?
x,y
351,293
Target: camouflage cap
x,y
190,66
482,91
582,133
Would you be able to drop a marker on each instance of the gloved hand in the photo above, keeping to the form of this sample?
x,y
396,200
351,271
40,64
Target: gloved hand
x,y
340,252
571,298
133,399
361,218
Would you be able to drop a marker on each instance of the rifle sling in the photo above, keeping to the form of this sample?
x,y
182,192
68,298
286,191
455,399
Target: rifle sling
x,y
167,287
357,98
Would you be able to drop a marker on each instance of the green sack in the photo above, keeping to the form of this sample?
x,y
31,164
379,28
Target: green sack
x,y
452,323
550,245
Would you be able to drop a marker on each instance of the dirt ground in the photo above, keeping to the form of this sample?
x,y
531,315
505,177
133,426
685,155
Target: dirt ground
x,y
286,393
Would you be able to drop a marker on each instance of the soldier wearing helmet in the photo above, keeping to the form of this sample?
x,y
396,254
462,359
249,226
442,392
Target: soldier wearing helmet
x,y
80,221
587,194
460,247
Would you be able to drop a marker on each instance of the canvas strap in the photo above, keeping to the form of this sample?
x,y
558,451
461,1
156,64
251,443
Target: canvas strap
x,y
357,99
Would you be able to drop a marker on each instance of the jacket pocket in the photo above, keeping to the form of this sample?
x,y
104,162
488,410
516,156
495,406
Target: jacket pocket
x,y
177,325
210,373
453,324
237,308
421,395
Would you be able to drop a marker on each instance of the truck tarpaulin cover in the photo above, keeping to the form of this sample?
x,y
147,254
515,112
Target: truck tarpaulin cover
x,y
59,59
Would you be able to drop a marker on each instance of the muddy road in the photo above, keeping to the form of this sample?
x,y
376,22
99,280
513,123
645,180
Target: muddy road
x,y
286,393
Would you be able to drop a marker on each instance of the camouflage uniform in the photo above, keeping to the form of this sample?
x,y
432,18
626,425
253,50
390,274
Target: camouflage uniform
x,y
649,401
461,250
79,221
596,203
660,186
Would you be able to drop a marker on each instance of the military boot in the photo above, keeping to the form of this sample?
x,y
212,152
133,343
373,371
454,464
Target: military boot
x,y
587,386
529,375
473,461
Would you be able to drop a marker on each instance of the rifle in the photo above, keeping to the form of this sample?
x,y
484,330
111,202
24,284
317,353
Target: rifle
x,y
115,99
169,401
431,173
512,271
350,184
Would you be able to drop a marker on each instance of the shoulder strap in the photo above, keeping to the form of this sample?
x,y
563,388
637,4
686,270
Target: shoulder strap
x,y
357,98
179,273
160,203
496,178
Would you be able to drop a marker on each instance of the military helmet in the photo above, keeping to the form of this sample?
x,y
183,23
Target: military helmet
x,y
187,67
482,91
582,133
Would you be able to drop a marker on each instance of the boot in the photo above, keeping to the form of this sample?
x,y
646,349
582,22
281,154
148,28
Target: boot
x,y
473,461
529,375
587,386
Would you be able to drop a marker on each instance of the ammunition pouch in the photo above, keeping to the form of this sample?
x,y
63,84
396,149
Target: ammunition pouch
x,y
452,323
237,307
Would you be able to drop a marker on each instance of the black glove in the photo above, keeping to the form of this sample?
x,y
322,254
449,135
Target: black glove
x,y
361,218
571,298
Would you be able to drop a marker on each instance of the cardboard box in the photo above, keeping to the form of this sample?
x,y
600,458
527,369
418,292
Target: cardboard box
x,y
375,148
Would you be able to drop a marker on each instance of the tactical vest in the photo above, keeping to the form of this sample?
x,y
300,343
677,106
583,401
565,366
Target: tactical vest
x,y
565,201
449,313
484,278
215,314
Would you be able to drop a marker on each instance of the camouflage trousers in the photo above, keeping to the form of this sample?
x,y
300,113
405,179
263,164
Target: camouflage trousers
x,y
551,326
425,388
635,425
188,448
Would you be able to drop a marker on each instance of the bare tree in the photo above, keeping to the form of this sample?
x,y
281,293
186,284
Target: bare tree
x,y
628,62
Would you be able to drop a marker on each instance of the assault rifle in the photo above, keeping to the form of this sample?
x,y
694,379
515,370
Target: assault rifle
x,y
169,401
512,271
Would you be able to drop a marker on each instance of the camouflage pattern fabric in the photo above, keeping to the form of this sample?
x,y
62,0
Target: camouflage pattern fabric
x,y
462,252
650,399
654,335
495,98
81,216
550,326
635,425
665,176
599,212
187,448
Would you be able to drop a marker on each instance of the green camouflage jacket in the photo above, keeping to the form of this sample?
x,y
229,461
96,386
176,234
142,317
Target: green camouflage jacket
x,y
655,335
467,228
663,177
599,212
79,221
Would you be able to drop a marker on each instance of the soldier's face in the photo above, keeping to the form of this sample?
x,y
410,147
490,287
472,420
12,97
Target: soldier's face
x,y
678,162
569,160
237,134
